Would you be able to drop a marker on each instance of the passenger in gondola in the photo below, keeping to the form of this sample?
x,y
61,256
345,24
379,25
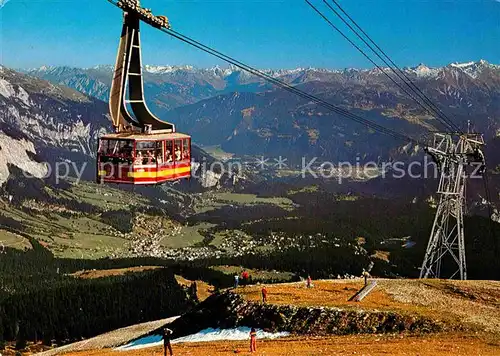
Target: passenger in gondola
x,y
150,158
126,151
138,157
159,158
146,157
169,156
177,153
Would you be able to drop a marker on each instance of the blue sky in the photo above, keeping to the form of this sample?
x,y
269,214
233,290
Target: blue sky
x,y
265,34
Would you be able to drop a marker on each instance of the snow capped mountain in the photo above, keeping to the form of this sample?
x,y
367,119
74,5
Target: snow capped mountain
x,y
170,86
43,69
462,65
218,71
257,122
166,69
423,71
103,67
54,70
93,81
474,69
244,114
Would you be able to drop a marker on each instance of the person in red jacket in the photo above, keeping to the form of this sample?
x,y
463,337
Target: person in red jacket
x,y
264,294
253,340
244,277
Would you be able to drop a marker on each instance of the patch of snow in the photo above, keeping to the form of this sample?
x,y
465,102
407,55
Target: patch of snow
x,y
461,65
473,69
43,68
423,71
210,334
166,69
241,333
221,72
102,67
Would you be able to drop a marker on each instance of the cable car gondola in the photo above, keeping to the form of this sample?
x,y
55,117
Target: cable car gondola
x,y
143,149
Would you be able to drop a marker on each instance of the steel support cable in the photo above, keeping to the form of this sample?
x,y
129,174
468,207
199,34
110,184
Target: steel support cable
x,y
395,65
444,123
285,86
406,79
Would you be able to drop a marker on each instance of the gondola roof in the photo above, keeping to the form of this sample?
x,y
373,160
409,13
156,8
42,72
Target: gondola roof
x,y
142,136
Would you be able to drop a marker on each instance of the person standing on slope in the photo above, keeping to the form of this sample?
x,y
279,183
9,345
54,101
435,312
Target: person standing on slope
x,y
167,335
309,282
253,340
244,277
365,276
236,281
264,295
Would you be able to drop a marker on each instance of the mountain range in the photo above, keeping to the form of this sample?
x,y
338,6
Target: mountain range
x,y
243,115
239,112
172,86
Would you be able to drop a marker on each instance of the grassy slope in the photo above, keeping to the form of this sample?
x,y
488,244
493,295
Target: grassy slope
x,y
212,201
76,234
474,305
111,272
73,233
13,240
222,223
256,274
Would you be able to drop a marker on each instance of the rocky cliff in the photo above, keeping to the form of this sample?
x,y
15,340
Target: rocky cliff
x,y
42,122
229,310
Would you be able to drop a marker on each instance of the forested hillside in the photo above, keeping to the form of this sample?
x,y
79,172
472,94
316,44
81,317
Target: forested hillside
x,y
39,301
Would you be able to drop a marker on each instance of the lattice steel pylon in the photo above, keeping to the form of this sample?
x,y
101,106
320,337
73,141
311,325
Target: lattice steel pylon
x,y
453,153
